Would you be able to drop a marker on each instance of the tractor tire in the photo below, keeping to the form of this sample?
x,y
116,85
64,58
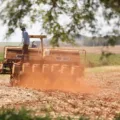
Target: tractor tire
x,y
16,75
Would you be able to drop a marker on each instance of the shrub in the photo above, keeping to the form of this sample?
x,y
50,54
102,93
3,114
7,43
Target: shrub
x,y
22,114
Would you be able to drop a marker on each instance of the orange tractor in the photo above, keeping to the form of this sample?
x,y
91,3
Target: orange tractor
x,y
44,64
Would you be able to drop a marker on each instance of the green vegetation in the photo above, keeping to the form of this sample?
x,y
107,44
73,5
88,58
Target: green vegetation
x,y
1,56
94,60
24,114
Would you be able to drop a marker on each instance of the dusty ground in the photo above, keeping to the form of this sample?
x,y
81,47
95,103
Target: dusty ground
x,y
100,99
115,49
99,49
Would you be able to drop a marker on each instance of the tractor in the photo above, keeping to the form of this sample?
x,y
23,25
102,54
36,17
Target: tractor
x,y
44,63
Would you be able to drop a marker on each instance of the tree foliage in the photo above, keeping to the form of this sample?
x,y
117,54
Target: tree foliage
x,y
81,16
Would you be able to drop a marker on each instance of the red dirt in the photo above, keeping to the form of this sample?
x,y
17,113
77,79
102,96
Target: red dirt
x,y
99,49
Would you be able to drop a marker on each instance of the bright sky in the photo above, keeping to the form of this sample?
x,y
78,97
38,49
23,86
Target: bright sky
x,y
17,36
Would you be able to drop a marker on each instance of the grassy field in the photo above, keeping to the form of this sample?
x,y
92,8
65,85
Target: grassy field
x,y
1,57
93,60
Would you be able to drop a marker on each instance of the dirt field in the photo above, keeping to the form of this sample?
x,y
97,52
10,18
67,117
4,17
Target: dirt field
x,y
98,49
115,49
98,96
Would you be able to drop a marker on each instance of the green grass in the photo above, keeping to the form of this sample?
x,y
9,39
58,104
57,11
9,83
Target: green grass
x,y
1,57
93,60
24,114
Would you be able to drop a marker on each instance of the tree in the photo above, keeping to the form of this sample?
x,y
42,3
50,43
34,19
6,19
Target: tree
x,y
81,16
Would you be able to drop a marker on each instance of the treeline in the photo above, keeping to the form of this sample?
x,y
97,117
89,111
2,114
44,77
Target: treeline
x,y
80,40
97,41
94,41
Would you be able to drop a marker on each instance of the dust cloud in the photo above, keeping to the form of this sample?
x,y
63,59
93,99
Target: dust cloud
x,y
56,82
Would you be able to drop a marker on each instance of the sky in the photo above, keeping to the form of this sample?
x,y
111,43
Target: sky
x,y
17,36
